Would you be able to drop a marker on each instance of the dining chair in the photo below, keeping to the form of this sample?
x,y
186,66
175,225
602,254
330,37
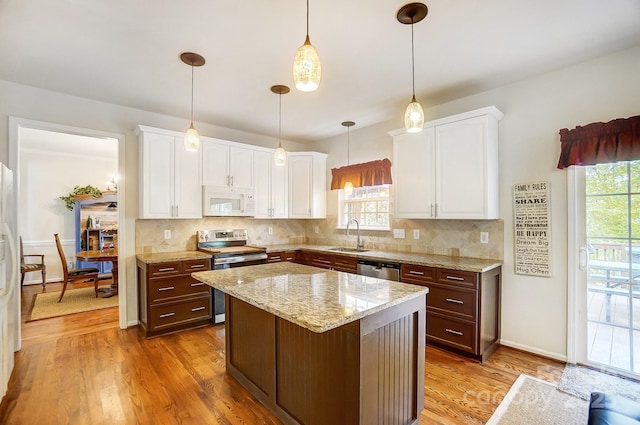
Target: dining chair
x,y
32,267
75,275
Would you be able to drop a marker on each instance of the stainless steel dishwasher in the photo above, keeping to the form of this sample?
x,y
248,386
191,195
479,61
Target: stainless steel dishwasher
x,y
380,269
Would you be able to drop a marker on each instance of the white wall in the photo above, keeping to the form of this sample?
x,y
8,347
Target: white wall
x,y
534,310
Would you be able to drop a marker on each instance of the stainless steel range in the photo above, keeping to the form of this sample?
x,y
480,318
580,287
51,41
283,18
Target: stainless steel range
x,y
229,249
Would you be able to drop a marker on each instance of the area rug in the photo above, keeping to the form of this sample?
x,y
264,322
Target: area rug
x,y
531,401
80,300
580,381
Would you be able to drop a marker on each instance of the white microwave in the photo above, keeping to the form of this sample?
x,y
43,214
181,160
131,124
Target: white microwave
x,y
226,201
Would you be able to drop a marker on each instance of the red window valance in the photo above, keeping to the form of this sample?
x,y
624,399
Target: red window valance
x,y
599,143
366,174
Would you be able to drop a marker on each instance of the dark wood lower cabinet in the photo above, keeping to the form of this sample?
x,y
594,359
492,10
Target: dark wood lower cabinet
x,y
337,262
368,372
169,299
463,308
278,257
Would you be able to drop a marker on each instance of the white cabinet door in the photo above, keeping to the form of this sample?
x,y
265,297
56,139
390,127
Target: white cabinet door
x,y
279,190
188,182
262,164
241,167
170,177
157,175
307,185
226,165
462,169
413,183
215,164
270,187
300,177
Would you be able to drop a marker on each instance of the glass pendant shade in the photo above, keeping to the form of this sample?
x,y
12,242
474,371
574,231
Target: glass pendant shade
x,y
414,117
307,70
280,157
348,188
191,139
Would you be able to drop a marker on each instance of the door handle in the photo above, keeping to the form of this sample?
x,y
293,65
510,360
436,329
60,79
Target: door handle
x,y
583,258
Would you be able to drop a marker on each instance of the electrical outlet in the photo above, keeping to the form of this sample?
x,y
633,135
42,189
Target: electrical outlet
x,y
416,234
270,230
71,265
316,229
167,234
484,237
398,233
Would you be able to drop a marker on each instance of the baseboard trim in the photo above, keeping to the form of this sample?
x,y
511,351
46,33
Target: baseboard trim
x,y
534,350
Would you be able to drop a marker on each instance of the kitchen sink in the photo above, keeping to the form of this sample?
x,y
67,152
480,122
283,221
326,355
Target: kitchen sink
x,y
343,249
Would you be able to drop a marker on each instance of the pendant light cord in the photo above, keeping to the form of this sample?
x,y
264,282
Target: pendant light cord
x,y
192,93
280,121
413,66
348,144
307,18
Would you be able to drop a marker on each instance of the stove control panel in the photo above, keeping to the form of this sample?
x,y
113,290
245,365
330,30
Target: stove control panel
x,y
222,235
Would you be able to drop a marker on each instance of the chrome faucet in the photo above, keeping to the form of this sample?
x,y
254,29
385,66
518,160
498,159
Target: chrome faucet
x,y
359,245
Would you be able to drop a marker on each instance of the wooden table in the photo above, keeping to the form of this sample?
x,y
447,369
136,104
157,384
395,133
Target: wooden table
x,y
104,255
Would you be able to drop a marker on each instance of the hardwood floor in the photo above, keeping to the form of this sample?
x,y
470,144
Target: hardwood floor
x,y
83,369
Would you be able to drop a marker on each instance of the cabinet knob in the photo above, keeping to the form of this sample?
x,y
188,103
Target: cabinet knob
x,y
451,331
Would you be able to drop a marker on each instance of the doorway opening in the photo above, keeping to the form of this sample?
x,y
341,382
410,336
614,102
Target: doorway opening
x,y
76,149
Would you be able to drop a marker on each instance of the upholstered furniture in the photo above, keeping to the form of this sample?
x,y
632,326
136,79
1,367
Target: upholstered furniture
x,y
607,409
27,267
75,275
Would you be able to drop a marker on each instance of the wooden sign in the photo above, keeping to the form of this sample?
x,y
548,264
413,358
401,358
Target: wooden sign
x,y
532,229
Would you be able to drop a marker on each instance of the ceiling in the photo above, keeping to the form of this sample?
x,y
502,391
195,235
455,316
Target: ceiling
x,y
127,53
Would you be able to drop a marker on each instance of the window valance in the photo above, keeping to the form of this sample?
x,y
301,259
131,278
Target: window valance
x,y
599,143
366,174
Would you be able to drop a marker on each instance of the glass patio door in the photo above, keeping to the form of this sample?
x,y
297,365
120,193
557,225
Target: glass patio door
x,y
611,202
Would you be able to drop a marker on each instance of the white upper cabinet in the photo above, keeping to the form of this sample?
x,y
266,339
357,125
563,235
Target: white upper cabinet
x,y
271,200
450,169
226,164
307,184
170,177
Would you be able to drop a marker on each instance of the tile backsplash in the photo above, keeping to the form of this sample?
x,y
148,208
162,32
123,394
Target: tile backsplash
x,y
442,237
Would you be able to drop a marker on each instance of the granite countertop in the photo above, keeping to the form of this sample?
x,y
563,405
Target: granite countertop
x,y
161,257
318,300
477,265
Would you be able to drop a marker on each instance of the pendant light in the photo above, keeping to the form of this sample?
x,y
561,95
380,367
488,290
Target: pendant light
x,y
280,155
191,136
307,70
348,186
412,13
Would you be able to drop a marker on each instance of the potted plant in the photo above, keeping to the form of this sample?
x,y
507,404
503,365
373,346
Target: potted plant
x,y
79,193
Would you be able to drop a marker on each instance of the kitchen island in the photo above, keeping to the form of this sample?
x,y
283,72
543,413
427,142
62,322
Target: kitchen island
x,y
321,347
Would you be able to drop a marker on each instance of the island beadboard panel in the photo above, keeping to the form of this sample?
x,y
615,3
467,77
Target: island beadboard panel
x,y
295,372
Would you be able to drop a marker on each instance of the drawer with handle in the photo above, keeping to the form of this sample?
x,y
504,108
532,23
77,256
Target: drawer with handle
x,y
453,332
458,277
191,266
460,302
165,269
420,275
170,315
168,288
